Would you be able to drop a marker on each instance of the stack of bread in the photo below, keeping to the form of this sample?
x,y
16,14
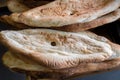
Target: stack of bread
x,y
53,40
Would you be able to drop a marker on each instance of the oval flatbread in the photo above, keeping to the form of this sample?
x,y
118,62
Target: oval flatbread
x,y
57,49
65,12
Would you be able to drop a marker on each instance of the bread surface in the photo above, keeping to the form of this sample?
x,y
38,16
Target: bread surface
x,y
65,12
37,71
58,49
111,17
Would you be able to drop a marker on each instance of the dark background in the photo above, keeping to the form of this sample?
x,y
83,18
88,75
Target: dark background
x,y
111,31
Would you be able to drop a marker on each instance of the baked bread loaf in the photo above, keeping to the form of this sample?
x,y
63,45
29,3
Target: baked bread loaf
x,y
65,12
111,17
37,71
59,55
11,24
57,49
16,6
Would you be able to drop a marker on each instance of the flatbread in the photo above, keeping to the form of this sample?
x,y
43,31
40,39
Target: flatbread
x,y
21,5
16,6
37,71
111,17
57,49
13,62
65,12
11,24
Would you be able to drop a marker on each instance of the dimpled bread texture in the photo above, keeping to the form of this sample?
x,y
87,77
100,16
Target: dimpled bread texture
x,y
57,49
64,12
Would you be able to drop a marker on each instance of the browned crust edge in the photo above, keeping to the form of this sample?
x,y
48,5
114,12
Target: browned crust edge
x,y
111,17
85,69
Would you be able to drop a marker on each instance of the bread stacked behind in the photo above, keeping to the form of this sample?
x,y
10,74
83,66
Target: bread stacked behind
x,y
103,14
21,5
37,71
65,12
69,50
111,17
51,52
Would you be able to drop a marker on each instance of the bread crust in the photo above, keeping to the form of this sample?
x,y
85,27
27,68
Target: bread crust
x,y
84,69
65,12
19,65
65,58
111,17
11,24
16,6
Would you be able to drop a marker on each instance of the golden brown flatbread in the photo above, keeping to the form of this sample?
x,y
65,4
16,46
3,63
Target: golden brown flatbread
x,y
65,12
111,17
37,71
57,49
